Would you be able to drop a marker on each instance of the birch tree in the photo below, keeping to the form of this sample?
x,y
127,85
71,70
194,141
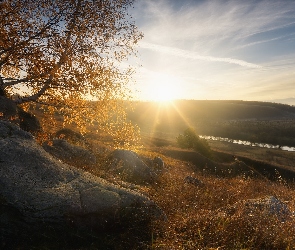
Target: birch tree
x,y
61,53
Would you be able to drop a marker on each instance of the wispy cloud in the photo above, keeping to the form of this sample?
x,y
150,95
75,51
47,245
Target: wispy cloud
x,y
209,38
206,25
266,41
192,55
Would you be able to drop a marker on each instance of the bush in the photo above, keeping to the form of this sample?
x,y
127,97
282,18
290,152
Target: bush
x,y
190,139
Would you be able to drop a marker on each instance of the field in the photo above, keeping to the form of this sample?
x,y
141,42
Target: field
x,y
205,200
195,219
273,156
197,215
236,173
193,211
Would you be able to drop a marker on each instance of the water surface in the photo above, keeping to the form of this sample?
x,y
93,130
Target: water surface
x,y
247,143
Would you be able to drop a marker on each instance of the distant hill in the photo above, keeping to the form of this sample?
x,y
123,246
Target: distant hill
x,y
216,110
246,120
200,110
289,101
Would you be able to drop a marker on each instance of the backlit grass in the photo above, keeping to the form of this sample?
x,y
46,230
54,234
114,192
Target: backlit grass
x,y
195,219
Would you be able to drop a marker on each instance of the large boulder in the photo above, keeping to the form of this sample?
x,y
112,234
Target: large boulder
x,y
28,121
158,163
11,112
69,153
39,193
72,137
8,109
268,205
131,168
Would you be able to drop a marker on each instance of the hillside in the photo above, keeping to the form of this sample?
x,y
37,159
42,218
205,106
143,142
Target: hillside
x,y
219,110
225,202
245,120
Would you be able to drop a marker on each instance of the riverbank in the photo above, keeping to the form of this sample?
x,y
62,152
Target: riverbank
x,y
277,157
248,143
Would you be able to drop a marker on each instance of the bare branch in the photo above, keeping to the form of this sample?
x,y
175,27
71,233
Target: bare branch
x,y
67,49
34,97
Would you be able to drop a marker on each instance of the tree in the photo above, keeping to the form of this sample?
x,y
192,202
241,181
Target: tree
x,y
58,53
190,139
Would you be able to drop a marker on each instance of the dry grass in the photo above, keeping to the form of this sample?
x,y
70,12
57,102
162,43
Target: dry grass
x,y
194,213
194,218
274,156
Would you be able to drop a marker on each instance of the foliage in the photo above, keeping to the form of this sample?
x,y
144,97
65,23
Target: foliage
x,y
190,139
59,53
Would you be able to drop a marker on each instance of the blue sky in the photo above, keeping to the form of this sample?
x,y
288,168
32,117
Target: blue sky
x,y
216,49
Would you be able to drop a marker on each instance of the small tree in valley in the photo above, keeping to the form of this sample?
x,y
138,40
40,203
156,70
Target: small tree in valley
x,y
190,139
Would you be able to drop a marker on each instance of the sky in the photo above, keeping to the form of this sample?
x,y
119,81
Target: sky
x,y
216,49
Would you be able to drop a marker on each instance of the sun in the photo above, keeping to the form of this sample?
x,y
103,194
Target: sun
x,y
163,92
163,88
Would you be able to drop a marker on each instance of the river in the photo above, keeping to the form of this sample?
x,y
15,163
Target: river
x,y
247,143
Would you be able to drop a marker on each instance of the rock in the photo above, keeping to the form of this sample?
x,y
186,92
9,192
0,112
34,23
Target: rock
x,y
158,163
2,92
72,137
131,168
9,130
39,194
28,121
193,180
68,134
268,205
71,154
8,109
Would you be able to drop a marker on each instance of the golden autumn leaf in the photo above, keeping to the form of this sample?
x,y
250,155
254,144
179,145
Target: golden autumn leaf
x,y
64,56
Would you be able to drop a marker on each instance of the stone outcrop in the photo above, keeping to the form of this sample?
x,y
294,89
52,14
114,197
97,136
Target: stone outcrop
x,y
71,154
194,181
72,137
158,163
268,205
10,112
28,121
131,168
38,193
8,109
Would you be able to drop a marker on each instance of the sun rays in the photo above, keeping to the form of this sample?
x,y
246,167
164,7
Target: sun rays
x,y
164,119
163,89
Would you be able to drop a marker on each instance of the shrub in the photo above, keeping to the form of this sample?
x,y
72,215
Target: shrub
x,y
190,139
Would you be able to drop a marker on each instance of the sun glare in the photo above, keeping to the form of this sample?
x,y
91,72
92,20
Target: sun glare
x,y
163,88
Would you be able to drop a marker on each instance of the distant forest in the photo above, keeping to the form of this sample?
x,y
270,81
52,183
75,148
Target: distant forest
x,y
245,120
